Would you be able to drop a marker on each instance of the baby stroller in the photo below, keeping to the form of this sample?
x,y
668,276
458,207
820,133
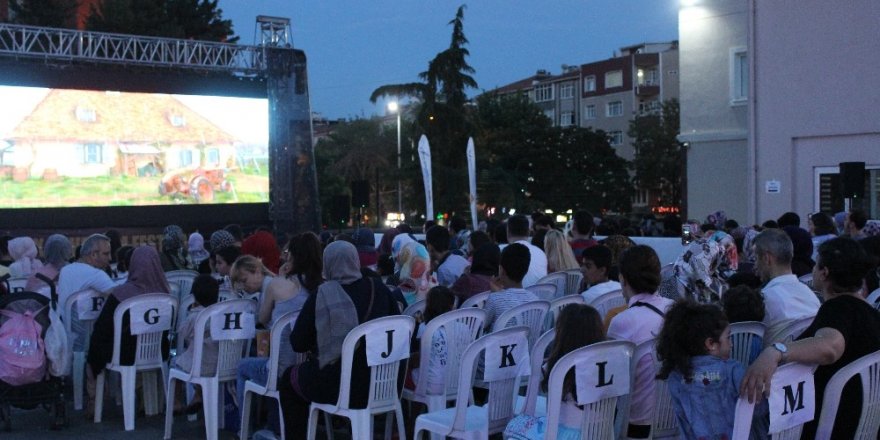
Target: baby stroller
x,y
49,392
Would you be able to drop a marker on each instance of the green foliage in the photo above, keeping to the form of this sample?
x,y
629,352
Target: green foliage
x,y
659,159
187,19
48,13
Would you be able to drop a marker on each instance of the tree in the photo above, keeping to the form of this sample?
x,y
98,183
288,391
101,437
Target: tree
x,y
659,156
442,115
48,13
187,19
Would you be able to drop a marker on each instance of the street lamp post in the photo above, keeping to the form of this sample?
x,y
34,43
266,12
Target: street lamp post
x,y
394,108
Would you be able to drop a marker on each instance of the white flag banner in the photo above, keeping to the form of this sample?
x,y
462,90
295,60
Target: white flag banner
x,y
150,318
472,180
387,347
425,159
792,397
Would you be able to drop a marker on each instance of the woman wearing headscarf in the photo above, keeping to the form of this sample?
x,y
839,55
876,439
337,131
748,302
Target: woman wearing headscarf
x,y
262,245
144,276
695,274
24,251
397,246
415,275
57,251
196,249
173,255
221,239
343,301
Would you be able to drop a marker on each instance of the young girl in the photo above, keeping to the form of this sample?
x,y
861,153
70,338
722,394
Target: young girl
x,y
439,301
742,304
694,346
578,326
249,275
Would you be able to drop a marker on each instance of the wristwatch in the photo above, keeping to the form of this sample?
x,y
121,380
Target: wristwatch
x,y
782,349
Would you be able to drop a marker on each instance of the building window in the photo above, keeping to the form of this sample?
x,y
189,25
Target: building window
x,y
551,114
614,108
641,197
590,83
85,114
177,120
566,119
93,153
566,91
186,158
614,79
590,111
615,138
544,93
647,77
739,75
649,107
212,156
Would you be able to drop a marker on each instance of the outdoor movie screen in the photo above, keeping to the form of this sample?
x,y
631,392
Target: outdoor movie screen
x,y
74,148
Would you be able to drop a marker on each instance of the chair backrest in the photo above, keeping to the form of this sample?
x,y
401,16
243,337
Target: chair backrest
x,y
416,310
868,369
88,304
807,279
476,301
182,312
573,280
151,315
180,282
17,284
384,391
742,338
742,419
558,279
556,307
664,423
506,344
536,372
607,301
793,330
284,322
460,328
599,424
227,294
530,314
874,299
231,325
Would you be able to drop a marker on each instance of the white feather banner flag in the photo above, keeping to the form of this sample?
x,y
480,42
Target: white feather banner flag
x,y
472,180
425,159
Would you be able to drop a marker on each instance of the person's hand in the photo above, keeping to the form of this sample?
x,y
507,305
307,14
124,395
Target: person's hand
x,y
757,378
495,284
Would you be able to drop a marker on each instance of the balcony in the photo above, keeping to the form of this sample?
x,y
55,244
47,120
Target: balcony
x,y
645,90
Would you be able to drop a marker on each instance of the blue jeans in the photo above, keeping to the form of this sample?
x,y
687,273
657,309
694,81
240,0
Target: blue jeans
x,y
255,369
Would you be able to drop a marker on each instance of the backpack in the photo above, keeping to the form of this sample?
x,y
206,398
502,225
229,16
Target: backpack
x,y
22,352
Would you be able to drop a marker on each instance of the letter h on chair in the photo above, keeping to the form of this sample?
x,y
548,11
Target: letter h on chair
x,y
231,326
151,316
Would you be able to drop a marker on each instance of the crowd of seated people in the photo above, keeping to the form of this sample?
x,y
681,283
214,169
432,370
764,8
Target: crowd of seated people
x,y
778,273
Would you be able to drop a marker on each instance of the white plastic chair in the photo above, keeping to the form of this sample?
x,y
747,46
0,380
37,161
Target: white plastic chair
x,y
383,392
547,291
868,369
558,279
92,302
477,300
874,299
530,314
556,307
17,284
270,388
573,280
180,282
148,354
416,310
466,421
534,404
599,418
182,312
742,335
742,419
607,301
664,422
461,327
793,330
233,342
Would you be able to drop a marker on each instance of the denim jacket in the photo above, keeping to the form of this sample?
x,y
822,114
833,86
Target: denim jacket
x,y
705,407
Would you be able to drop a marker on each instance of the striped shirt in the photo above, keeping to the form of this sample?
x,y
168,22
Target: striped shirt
x,y
502,301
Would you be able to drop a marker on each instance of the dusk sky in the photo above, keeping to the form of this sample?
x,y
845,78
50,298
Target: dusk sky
x,y
354,46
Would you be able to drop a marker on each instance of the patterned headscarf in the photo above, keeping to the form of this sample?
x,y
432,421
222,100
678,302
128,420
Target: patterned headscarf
x,y
730,258
173,238
717,218
221,239
695,272
415,280
397,246
749,246
24,251
872,228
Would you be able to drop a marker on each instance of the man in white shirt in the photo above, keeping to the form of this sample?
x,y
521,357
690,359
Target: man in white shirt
x,y
786,299
595,265
87,273
518,232
640,322
449,266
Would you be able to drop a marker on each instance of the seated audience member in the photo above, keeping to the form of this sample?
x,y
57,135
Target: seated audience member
x,y
518,232
251,277
695,275
205,291
221,239
845,329
582,233
872,248
439,301
57,251
262,245
617,244
785,298
475,240
224,258
789,219
458,235
365,242
145,276
821,227
715,221
640,322
196,249
342,302
87,273
744,279
387,239
742,304
538,239
578,326
449,266
415,274
501,234
234,230
490,229
173,253
478,279
397,246
703,381
856,220
24,251
802,251
123,260
5,258
385,267
596,265
559,254
507,289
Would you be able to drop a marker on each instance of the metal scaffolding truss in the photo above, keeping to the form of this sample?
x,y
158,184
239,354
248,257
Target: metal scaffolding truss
x,y
69,45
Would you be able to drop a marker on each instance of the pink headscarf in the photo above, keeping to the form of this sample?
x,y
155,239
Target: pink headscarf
x,y
145,275
24,251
